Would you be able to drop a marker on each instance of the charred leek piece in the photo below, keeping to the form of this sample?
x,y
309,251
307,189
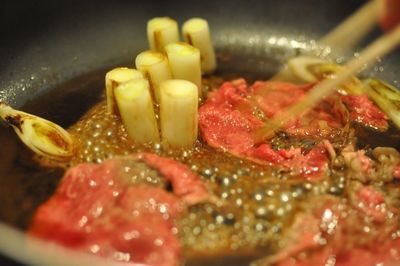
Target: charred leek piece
x,y
197,33
184,61
310,69
113,79
155,67
178,113
162,31
386,97
43,137
136,110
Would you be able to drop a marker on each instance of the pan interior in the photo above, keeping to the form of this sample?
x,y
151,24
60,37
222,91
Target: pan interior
x,y
62,79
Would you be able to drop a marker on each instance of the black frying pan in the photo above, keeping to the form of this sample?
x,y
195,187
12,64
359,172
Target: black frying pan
x,y
54,55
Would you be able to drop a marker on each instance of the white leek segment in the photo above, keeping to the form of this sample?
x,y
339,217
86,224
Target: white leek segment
x,y
162,31
43,137
184,61
179,113
114,78
155,67
136,109
197,33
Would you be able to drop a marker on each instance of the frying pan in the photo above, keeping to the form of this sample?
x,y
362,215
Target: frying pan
x,y
54,55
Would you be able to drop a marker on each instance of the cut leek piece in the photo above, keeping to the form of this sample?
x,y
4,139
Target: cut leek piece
x,y
42,136
184,61
115,77
386,97
310,69
161,31
179,113
155,67
136,109
197,33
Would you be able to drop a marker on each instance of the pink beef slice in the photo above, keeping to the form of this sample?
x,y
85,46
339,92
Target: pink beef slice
x,y
364,111
228,121
95,211
185,183
342,243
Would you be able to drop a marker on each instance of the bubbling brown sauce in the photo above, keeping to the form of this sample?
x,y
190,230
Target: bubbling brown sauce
x,y
255,203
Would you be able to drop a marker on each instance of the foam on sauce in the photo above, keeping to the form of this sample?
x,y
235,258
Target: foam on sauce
x,y
256,204
243,187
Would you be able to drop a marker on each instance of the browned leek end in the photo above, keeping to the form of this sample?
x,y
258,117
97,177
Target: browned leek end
x,y
43,137
161,31
113,79
184,61
154,65
197,33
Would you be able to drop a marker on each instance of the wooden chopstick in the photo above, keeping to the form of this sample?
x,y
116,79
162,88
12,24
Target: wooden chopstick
x,y
369,55
348,33
352,30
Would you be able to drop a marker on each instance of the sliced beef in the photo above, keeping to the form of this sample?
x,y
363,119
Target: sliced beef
x,y
185,183
99,209
231,116
233,113
312,165
323,121
364,111
334,233
223,122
